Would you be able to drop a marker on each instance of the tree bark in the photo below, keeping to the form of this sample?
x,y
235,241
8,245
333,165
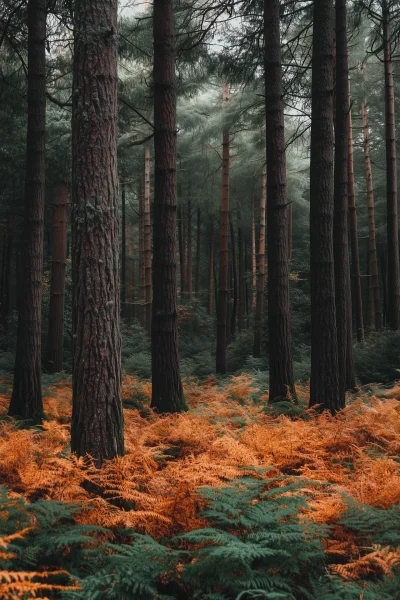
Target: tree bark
x,y
97,418
258,316
242,277
373,257
223,251
281,380
234,285
123,254
341,214
211,273
147,242
189,277
167,392
142,265
6,273
355,254
391,175
181,254
55,341
324,385
198,250
253,258
26,399
130,291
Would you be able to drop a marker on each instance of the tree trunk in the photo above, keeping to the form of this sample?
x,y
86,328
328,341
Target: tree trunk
x,y
355,254
130,291
383,263
253,258
391,175
167,393
229,308
234,285
97,418
147,242
6,273
290,230
242,278
181,254
142,265
341,214
55,342
211,273
324,385
198,249
26,399
373,258
223,251
123,254
189,277
258,316
281,380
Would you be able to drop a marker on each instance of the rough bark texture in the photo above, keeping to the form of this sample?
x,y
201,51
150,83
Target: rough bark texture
x,y
198,251
242,277
281,381
340,225
97,418
26,399
123,253
167,393
55,342
147,242
353,229
324,386
391,175
6,273
373,257
258,315
223,252
211,273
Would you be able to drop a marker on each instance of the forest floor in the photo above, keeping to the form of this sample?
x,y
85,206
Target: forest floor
x,y
227,434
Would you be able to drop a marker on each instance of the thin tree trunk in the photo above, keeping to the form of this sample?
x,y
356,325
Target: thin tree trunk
x,y
185,255
198,249
189,277
6,273
97,418
341,214
290,230
55,341
383,263
223,251
181,254
324,386
373,258
253,258
281,380
167,391
26,399
391,175
123,254
142,265
130,291
229,308
242,277
211,273
147,242
355,254
234,281
258,317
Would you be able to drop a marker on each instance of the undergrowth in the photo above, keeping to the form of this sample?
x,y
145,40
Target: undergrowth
x,y
226,501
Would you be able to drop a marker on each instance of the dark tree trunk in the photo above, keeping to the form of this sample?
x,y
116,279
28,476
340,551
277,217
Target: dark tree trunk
x,y
355,254
373,257
290,230
198,249
341,214
242,277
130,291
253,258
97,418
123,254
181,254
383,263
142,266
281,380
223,252
55,341
211,273
324,386
147,242
391,175
259,312
167,394
26,399
234,285
229,308
6,273
189,277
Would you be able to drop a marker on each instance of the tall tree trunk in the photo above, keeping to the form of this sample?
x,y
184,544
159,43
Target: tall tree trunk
x,y
281,380
258,317
130,290
185,255
341,214
290,230
123,254
229,308
355,254
373,258
189,276
383,263
211,273
26,399
253,258
55,342
234,285
181,254
223,250
142,264
198,249
242,277
324,387
391,175
6,273
167,393
147,242
97,418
